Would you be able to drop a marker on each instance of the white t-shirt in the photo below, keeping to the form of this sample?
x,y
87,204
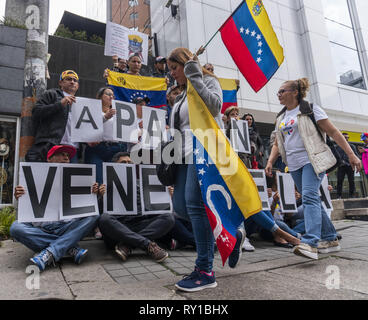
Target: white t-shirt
x,y
66,140
296,155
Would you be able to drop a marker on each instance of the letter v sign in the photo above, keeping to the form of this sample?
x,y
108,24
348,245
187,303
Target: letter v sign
x,y
39,207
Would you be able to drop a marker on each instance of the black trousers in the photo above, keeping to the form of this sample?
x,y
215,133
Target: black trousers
x,y
134,231
341,171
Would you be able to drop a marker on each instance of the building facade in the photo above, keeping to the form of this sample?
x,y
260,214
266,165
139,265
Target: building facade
x,y
323,40
134,14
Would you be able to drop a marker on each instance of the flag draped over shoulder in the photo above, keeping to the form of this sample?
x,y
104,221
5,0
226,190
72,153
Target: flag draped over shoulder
x,y
228,190
229,93
251,41
127,87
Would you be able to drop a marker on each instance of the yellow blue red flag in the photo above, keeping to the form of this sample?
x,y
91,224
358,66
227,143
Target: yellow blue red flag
x,y
229,93
251,41
228,189
127,87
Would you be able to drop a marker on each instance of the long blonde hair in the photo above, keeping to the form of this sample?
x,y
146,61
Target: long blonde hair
x,y
183,55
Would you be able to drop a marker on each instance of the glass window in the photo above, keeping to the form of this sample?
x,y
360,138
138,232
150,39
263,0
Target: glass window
x,y
133,3
8,135
134,16
343,43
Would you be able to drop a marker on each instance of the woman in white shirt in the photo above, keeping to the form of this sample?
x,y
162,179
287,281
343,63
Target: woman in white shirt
x,y
301,147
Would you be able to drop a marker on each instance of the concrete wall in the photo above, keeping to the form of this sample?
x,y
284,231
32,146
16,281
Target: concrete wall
x,y
12,60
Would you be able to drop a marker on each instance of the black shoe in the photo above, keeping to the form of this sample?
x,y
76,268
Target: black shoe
x,y
237,251
283,245
339,236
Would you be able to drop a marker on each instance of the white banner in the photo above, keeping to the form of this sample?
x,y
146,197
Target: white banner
x,y
154,127
240,136
121,189
125,127
155,197
259,177
122,41
77,199
41,182
56,192
286,188
87,120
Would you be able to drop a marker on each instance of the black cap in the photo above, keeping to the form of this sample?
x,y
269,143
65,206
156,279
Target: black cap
x,y
140,99
160,60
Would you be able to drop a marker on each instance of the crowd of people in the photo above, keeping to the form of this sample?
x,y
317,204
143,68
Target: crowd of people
x,y
297,143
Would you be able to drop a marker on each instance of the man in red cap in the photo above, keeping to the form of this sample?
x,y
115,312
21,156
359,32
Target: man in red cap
x,y
51,117
54,240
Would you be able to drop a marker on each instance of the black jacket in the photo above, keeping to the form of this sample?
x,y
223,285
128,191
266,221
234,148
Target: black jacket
x,y
50,117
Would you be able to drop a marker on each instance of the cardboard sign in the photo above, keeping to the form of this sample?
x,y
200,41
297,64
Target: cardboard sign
x,y
240,136
154,127
259,177
121,188
56,192
77,199
40,203
122,41
87,120
326,196
125,127
286,188
155,197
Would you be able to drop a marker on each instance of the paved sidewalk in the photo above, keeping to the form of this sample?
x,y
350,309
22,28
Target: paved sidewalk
x,y
268,273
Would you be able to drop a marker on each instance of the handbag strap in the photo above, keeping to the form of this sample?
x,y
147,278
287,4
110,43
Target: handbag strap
x,y
177,113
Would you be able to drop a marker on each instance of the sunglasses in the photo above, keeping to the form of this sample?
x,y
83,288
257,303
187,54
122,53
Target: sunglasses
x,y
71,79
282,91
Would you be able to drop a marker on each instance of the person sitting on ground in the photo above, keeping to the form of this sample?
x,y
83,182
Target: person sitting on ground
x,y
124,233
181,235
53,240
51,118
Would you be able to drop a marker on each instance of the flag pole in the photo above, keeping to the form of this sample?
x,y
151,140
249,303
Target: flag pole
x,y
202,48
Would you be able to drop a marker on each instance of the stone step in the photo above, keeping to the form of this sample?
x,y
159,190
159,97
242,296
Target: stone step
x,y
357,214
356,203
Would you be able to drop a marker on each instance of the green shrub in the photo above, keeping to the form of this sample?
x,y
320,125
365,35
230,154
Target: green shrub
x,y
80,35
97,40
9,22
7,217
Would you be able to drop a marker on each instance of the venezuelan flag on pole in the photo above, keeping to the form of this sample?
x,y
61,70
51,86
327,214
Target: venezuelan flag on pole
x,y
228,190
127,87
251,41
229,93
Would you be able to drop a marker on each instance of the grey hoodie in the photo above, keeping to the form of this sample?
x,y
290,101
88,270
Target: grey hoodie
x,y
209,89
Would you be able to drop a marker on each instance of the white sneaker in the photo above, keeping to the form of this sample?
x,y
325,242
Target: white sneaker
x,y
305,250
247,246
328,246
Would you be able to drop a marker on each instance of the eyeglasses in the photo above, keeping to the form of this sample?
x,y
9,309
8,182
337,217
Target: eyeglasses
x,y
71,79
281,92
110,95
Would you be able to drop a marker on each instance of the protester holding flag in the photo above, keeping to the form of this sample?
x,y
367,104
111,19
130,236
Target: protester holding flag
x,y
187,199
134,64
300,142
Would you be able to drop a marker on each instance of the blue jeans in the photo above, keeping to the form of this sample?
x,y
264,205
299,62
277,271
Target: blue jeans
x,y
57,237
188,204
263,220
317,224
103,152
